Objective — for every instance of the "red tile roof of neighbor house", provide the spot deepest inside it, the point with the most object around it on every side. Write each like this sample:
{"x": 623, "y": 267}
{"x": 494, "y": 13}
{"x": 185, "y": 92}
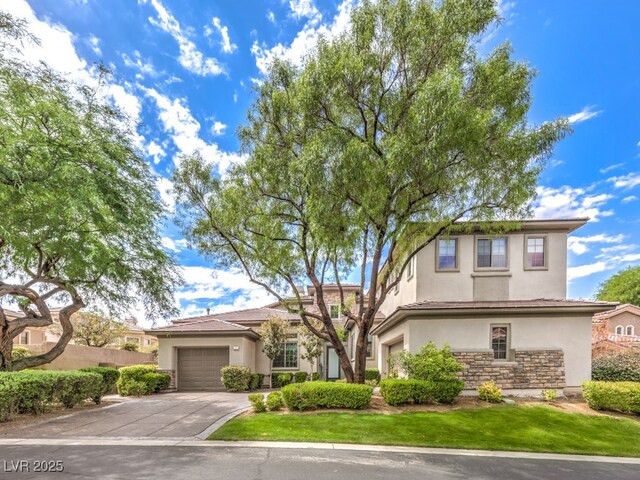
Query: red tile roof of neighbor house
{"x": 625, "y": 307}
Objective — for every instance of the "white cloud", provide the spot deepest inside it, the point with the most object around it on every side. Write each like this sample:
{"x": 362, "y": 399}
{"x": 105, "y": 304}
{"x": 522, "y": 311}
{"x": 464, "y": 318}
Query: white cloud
{"x": 190, "y": 57}
{"x": 155, "y": 151}
{"x": 169, "y": 244}
{"x": 630, "y": 198}
{"x": 165, "y": 187}
{"x": 272, "y": 18}
{"x": 586, "y": 270}
{"x": 615, "y": 249}
{"x": 304, "y": 8}
{"x": 585, "y": 114}
{"x": 578, "y": 245}
{"x": 568, "y": 202}
{"x": 225, "y": 42}
{"x": 143, "y": 68}
{"x": 611, "y": 167}
{"x": 94, "y": 43}
{"x": 218, "y": 128}
{"x": 305, "y": 39}
{"x": 626, "y": 181}
{"x": 184, "y": 131}
{"x": 57, "y": 49}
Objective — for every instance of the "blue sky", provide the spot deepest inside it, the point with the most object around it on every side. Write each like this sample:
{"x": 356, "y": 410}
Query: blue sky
{"x": 185, "y": 71}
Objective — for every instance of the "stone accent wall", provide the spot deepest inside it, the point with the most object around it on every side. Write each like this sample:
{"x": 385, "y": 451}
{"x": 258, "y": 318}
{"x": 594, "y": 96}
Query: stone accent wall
{"x": 172, "y": 374}
{"x": 530, "y": 369}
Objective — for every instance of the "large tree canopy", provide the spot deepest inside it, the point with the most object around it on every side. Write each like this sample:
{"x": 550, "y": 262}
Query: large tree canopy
{"x": 623, "y": 287}
{"x": 384, "y": 138}
{"x": 79, "y": 209}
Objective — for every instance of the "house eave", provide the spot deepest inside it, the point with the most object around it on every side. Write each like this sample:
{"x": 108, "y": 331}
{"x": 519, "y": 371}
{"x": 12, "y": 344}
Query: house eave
{"x": 205, "y": 333}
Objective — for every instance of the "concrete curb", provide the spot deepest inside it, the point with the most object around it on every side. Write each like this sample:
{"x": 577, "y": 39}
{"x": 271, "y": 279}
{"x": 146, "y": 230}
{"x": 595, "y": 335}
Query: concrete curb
{"x": 220, "y": 422}
{"x": 190, "y": 442}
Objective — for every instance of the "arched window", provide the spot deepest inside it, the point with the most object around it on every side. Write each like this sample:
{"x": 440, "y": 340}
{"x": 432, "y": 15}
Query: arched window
{"x": 630, "y": 330}
{"x": 619, "y": 330}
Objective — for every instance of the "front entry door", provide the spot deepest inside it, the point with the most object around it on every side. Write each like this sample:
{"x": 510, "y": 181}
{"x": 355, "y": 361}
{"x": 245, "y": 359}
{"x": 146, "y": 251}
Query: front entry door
{"x": 333, "y": 365}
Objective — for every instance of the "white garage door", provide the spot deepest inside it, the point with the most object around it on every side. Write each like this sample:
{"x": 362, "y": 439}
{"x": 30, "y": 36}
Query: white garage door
{"x": 199, "y": 368}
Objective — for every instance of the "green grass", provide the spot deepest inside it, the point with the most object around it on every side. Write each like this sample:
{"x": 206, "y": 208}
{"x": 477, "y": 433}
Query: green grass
{"x": 532, "y": 429}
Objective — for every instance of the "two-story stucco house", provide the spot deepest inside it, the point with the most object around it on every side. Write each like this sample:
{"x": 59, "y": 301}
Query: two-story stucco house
{"x": 498, "y": 301}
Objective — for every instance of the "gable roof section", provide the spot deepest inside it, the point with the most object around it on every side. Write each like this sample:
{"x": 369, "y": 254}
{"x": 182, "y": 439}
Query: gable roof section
{"x": 624, "y": 308}
{"x": 212, "y": 325}
{"x": 541, "y": 305}
{"x": 249, "y": 315}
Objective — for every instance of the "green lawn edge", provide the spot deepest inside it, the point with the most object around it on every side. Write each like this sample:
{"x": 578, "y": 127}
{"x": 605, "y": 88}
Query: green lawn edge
{"x": 508, "y": 428}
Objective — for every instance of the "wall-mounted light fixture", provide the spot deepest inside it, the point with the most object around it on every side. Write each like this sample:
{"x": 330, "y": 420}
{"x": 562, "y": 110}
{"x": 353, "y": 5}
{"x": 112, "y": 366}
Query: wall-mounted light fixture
{"x": 236, "y": 348}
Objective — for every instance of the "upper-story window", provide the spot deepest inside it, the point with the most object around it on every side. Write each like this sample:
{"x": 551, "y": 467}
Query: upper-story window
{"x": 410, "y": 268}
{"x": 447, "y": 254}
{"x": 629, "y": 330}
{"x": 334, "y": 310}
{"x": 535, "y": 255}
{"x": 491, "y": 252}
{"x": 619, "y": 330}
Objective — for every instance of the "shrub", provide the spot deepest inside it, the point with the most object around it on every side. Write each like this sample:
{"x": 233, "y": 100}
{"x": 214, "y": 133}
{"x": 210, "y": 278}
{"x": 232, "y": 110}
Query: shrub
{"x": 257, "y": 402}
{"x": 130, "y": 346}
{"x": 73, "y": 388}
{"x": 274, "y": 401}
{"x": 282, "y": 379}
{"x": 156, "y": 382}
{"x": 621, "y": 367}
{"x": 109, "y": 378}
{"x": 301, "y": 377}
{"x": 618, "y": 396}
{"x": 256, "y": 381}
{"x": 431, "y": 363}
{"x": 302, "y": 396}
{"x": 399, "y": 391}
{"x": 19, "y": 352}
{"x": 134, "y": 373}
{"x": 236, "y": 378}
{"x": 549, "y": 395}
{"x": 340, "y": 380}
{"x": 134, "y": 388}
{"x": 490, "y": 392}
{"x": 372, "y": 375}
{"x": 315, "y": 376}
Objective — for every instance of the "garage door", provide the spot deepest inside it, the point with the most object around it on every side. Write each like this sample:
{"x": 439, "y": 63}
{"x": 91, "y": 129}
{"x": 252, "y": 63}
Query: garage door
{"x": 199, "y": 368}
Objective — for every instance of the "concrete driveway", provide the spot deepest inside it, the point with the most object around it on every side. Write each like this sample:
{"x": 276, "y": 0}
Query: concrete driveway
{"x": 167, "y": 415}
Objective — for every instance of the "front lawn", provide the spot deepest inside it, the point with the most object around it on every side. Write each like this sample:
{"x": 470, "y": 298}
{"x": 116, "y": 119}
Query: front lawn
{"x": 516, "y": 428}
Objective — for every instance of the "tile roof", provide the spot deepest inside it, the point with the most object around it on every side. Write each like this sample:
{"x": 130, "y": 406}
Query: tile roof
{"x": 203, "y": 325}
{"x": 248, "y": 315}
{"x": 625, "y": 307}
{"x": 536, "y": 303}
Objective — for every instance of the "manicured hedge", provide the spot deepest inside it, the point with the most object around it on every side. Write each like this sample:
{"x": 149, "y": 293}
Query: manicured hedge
{"x": 109, "y": 378}
{"x": 236, "y": 378}
{"x": 36, "y": 391}
{"x": 399, "y": 391}
{"x": 301, "y": 377}
{"x": 618, "y": 396}
{"x": 302, "y": 396}
{"x": 141, "y": 380}
{"x": 256, "y": 381}
{"x": 372, "y": 375}
{"x": 622, "y": 367}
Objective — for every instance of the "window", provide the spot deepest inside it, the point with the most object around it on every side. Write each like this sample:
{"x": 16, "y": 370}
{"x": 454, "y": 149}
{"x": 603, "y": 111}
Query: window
{"x": 23, "y": 339}
{"x": 447, "y": 254}
{"x": 535, "y": 255}
{"x": 630, "y": 330}
{"x": 147, "y": 342}
{"x": 132, "y": 339}
{"x": 491, "y": 253}
{"x": 288, "y": 357}
{"x": 410, "y": 268}
{"x": 369, "y": 346}
{"x": 334, "y": 310}
{"x": 500, "y": 341}
{"x": 619, "y": 330}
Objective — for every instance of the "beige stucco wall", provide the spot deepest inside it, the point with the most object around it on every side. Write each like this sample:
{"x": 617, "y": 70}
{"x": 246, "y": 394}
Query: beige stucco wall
{"x": 80, "y": 356}
{"x": 459, "y": 285}
{"x": 406, "y": 292}
{"x": 572, "y": 334}
{"x": 624, "y": 319}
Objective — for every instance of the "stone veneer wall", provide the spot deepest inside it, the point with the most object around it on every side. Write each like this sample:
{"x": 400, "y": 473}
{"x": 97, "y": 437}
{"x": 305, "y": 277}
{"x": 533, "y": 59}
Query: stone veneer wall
{"x": 530, "y": 369}
{"x": 172, "y": 374}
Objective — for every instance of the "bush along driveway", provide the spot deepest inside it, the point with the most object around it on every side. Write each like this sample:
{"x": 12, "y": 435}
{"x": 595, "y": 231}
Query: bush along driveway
{"x": 505, "y": 427}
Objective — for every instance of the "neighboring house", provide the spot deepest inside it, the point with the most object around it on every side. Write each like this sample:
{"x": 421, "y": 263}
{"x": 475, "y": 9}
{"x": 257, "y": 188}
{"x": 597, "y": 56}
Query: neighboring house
{"x": 616, "y": 330}
{"x": 136, "y": 334}
{"x": 498, "y": 301}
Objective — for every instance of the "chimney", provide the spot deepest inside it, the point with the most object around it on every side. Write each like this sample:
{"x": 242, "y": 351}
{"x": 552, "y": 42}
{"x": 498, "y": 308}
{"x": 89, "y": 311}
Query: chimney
{"x": 208, "y": 310}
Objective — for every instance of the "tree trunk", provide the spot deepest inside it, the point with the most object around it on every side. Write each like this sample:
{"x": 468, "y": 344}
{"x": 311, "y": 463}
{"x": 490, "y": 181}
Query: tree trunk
{"x": 360, "y": 357}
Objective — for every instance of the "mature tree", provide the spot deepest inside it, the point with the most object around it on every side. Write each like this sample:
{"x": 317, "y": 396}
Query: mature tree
{"x": 80, "y": 212}
{"x": 385, "y": 137}
{"x": 623, "y": 287}
{"x": 312, "y": 345}
{"x": 96, "y": 330}
{"x": 273, "y": 333}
